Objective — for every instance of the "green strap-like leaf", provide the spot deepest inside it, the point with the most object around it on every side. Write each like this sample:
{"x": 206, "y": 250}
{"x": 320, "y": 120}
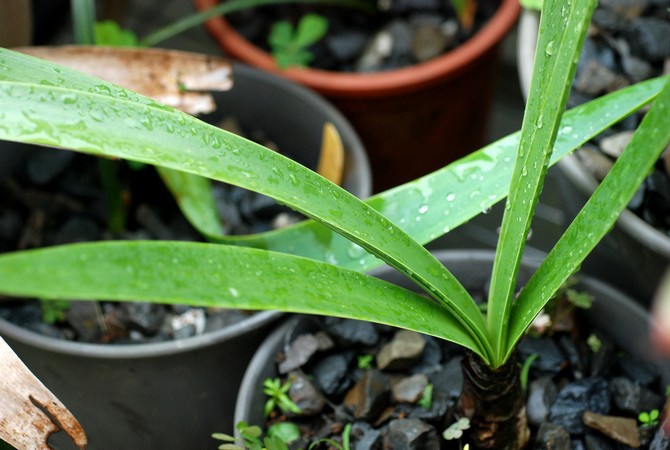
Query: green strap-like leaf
{"x": 491, "y": 167}
{"x": 220, "y": 276}
{"x": 441, "y": 209}
{"x": 562, "y": 31}
{"x": 598, "y": 215}
{"x": 101, "y": 125}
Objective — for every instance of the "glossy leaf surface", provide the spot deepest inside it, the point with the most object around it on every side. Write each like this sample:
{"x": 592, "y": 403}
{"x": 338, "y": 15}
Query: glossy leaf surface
{"x": 559, "y": 45}
{"x": 598, "y": 215}
{"x": 104, "y": 125}
{"x": 220, "y": 276}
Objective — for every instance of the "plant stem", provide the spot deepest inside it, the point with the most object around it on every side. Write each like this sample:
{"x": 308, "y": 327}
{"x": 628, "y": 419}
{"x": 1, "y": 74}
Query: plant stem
{"x": 492, "y": 400}
{"x": 83, "y": 18}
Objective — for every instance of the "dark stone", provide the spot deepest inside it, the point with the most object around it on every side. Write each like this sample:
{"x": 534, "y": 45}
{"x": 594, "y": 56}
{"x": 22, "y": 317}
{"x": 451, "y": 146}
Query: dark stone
{"x": 552, "y": 437}
{"x": 85, "y": 318}
{"x": 594, "y": 442}
{"x": 44, "y": 166}
{"x": 402, "y": 352}
{"x": 305, "y": 394}
{"x": 146, "y": 318}
{"x": 430, "y": 357}
{"x": 626, "y": 8}
{"x": 550, "y": 360}
{"x": 450, "y": 379}
{"x": 609, "y": 20}
{"x": 364, "y": 437}
{"x": 604, "y": 358}
{"x": 411, "y": 434}
{"x": 406, "y": 6}
{"x": 638, "y": 371}
{"x": 574, "y": 355}
{"x": 331, "y": 373}
{"x": 10, "y": 226}
{"x": 346, "y": 46}
{"x": 77, "y": 228}
{"x": 409, "y": 389}
{"x": 576, "y": 398}
{"x": 301, "y": 350}
{"x": 542, "y": 392}
{"x": 440, "y": 404}
{"x": 369, "y": 396}
{"x": 352, "y": 332}
{"x": 428, "y": 42}
{"x": 631, "y": 398}
{"x": 650, "y": 37}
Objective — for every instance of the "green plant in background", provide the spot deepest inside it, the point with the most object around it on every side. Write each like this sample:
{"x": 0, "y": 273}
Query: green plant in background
{"x": 279, "y": 398}
{"x": 365, "y": 361}
{"x": 53, "y": 311}
{"x": 650, "y": 418}
{"x": 308, "y": 268}
{"x": 426, "y": 400}
{"x": 525, "y": 371}
{"x": 594, "y": 343}
{"x": 532, "y": 4}
{"x": 345, "y": 445}
{"x": 251, "y": 439}
{"x": 290, "y": 45}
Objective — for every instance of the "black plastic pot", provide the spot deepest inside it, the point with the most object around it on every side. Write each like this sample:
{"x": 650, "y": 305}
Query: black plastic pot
{"x": 613, "y": 313}
{"x": 634, "y": 255}
{"x": 173, "y": 395}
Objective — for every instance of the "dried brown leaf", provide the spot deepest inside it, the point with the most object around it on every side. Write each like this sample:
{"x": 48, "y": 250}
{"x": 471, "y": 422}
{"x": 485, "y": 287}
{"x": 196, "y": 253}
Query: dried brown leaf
{"x": 29, "y": 412}
{"x": 168, "y": 76}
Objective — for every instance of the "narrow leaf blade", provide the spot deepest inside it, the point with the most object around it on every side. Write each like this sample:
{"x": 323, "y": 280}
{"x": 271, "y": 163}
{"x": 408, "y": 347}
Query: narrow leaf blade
{"x": 598, "y": 215}
{"x": 101, "y": 125}
{"x": 556, "y": 59}
{"x": 214, "y": 275}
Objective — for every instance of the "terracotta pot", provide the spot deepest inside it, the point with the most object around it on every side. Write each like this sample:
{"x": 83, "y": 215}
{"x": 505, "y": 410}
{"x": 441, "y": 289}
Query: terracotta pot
{"x": 173, "y": 395}
{"x": 634, "y": 255}
{"x": 614, "y": 314}
{"x": 412, "y": 120}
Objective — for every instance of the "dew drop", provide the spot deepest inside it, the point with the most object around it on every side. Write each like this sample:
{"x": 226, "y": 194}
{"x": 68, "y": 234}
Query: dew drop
{"x": 423, "y": 209}
{"x": 549, "y": 49}
{"x": 539, "y": 122}
{"x": 451, "y": 197}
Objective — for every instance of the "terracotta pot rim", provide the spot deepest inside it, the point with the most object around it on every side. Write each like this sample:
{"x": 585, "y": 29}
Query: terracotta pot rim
{"x": 376, "y": 84}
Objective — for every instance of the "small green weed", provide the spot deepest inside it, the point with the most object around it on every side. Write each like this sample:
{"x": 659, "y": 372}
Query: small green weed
{"x": 290, "y": 45}
{"x": 365, "y": 361}
{"x": 53, "y": 311}
{"x": 649, "y": 419}
{"x": 279, "y": 398}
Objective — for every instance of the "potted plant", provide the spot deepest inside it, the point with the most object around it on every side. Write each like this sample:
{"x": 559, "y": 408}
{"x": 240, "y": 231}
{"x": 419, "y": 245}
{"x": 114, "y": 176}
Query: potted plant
{"x": 311, "y": 270}
{"x": 446, "y": 99}
{"x": 634, "y": 255}
{"x": 151, "y": 385}
{"x": 610, "y": 320}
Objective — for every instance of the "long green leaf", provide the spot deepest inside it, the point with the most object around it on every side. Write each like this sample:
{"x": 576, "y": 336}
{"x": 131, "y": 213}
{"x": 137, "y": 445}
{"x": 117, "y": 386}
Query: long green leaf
{"x": 220, "y": 276}
{"x": 99, "y": 124}
{"x": 441, "y": 209}
{"x": 598, "y": 215}
{"x": 562, "y": 32}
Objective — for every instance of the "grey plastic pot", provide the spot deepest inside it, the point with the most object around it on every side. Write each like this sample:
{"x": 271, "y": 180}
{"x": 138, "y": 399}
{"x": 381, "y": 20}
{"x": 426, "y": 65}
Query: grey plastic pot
{"x": 173, "y": 395}
{"x": 612, "y": 313}
{"x": 634, "y": 255}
